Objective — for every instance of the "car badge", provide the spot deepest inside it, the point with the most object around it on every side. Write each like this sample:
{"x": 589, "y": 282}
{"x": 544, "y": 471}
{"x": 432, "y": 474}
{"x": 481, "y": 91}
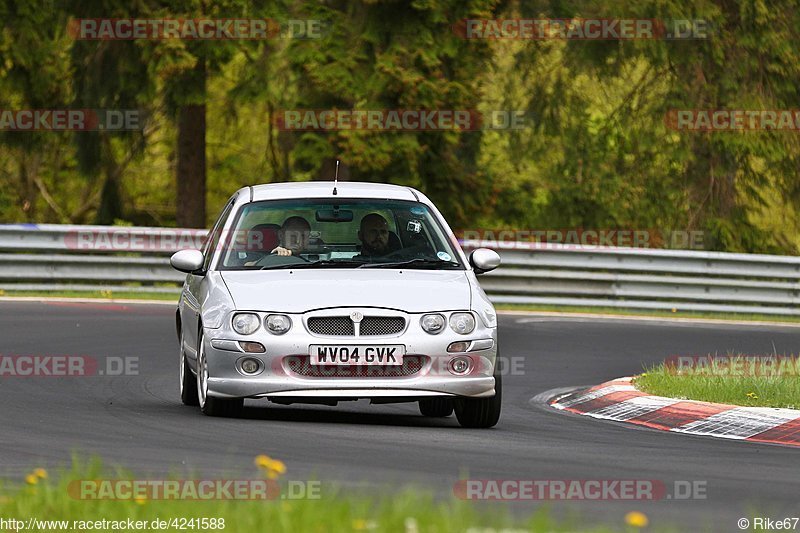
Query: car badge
{"x": 356, "y": 317}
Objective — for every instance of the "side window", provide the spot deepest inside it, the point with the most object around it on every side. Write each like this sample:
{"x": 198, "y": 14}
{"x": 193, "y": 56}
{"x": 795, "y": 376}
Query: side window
{"x": 214, "y": 236}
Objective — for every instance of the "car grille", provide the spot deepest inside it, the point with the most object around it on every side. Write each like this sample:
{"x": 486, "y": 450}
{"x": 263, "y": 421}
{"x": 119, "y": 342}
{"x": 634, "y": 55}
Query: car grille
{"x": 381, "y": 325}
{"x": 342, "y": 326}
{"x": 300, "y": 365}
{"x": 334, "y": 326}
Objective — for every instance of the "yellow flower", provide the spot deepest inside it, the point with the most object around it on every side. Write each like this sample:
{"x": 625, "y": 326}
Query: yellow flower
{"x": 140, "y": 500}
{"x": 31, "y": 479}
{"x": 41, "y": 473}
{"x": 636, "y": 519}
{"x": 752, "y": 395}
{"x": 273, "y": 467}
{"x": 278, "y": 467}
{"x": 363, "y": 525}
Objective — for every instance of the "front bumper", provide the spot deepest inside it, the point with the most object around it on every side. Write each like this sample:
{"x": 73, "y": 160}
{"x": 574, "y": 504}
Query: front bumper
{"x": 277, "y": 378}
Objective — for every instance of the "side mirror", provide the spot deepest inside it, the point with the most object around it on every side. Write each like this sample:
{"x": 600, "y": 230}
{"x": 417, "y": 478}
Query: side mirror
{"x": 484, "y": 260}
{"x": 189, "y": 261}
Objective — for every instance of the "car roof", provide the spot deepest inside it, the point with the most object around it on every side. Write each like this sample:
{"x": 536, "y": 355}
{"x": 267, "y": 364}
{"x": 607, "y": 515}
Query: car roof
{"x": 324, "y": 189}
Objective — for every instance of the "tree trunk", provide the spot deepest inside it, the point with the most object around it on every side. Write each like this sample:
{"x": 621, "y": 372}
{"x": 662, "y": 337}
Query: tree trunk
{"x": 191, "y": 200}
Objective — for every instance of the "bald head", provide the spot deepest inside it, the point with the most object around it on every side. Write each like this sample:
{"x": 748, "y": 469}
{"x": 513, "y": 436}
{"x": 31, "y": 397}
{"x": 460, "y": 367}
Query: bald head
{"x": 374, "y": 234}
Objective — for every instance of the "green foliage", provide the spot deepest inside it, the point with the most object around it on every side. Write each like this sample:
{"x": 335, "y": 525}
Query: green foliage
{"x": 595, "y": 153}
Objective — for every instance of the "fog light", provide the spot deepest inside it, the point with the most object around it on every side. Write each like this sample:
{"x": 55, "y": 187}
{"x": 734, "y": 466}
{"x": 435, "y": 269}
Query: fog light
{"x": 457, "y": 347}
{"x": 250, "y": 366}
{"x": 252, "y": 347}
{"x": 460, "y": 365}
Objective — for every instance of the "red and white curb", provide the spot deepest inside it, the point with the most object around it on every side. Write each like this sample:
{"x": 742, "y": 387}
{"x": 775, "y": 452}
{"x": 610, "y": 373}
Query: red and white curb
{"x": 619, "y": 400}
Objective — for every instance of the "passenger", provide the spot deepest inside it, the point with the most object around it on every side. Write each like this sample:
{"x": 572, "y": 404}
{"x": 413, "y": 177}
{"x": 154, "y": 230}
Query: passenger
{"x": 376, "y": 239}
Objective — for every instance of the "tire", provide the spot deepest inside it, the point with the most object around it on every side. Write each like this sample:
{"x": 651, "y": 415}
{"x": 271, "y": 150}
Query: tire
{"x": 210, "y": 405}
{"x": 480, "y": 412}
{"x": 188, "y": 382}
{"x": 436, "y": 407}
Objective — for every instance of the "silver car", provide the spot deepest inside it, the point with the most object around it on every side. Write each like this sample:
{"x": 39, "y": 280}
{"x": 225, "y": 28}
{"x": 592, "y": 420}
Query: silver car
{"x": 322, "y": 292}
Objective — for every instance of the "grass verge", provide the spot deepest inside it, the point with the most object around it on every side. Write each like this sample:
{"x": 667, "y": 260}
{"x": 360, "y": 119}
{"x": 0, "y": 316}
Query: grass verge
{"x": 133, "y": 295}
{"x": 649, "y": 313}
{"x": 738, "y": 380}
{"x": 51, "y": 498}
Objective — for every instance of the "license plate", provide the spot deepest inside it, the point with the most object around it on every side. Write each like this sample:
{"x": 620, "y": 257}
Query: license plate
{"x": 356, "y": 354}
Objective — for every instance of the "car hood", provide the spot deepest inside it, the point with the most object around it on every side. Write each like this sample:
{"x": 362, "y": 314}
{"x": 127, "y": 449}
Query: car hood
{"x": 299, "y": 291}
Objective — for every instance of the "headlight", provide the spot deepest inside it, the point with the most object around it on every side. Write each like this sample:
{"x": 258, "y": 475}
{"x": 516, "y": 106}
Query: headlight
{"x": 432, "y": 324}
{"x": 278, "y": 324}
{"x": 462, "y": 323}
{"x": 246, "y": 323}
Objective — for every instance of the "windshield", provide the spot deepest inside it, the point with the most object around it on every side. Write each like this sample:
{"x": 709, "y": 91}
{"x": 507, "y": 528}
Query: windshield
{"x": 337, "y": 233}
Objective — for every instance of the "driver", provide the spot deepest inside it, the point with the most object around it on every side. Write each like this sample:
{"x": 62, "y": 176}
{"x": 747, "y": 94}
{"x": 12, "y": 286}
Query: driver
{"x": 374, "y": 236}
{"x": 294, "y": 236}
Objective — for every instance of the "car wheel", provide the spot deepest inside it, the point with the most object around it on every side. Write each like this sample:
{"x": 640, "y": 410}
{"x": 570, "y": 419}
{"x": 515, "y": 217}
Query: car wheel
{"x": 480, "y": 412}
{"x": 187, "y": 380}
{"x": 208, "y": 404}
{"x": 436, "y": 407}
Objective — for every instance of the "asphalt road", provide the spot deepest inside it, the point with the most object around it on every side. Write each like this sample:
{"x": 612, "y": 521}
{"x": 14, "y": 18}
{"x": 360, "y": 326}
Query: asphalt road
{"x": 137, "y": 421}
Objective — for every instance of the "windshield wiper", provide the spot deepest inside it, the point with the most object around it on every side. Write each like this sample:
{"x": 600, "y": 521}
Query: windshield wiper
{"x": 343, "y": 263}
{"x": 423, "y": 263}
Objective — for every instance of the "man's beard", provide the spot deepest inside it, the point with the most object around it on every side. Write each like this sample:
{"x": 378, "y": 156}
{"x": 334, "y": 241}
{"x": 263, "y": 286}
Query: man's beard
{"x": 369, "y": 250}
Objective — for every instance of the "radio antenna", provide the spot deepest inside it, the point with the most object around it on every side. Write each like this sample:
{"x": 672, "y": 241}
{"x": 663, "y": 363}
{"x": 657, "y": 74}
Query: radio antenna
{"x": 336, "y": 178}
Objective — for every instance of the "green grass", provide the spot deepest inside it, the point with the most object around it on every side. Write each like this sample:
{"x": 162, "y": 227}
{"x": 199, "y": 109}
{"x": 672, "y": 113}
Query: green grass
{"x": 649, "y": 313}
{"x": 407, "y": 510}
{"x": 736, "y": 384}
{"x": 132, "y": 295}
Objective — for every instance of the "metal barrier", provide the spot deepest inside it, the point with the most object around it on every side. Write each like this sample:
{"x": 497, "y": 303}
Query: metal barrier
{"x": 122, "y": 259}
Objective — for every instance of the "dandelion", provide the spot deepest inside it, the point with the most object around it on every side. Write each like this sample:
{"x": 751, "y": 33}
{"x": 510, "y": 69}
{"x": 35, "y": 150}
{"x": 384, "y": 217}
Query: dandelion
{"x": 752, "y": 395}
{"x": 140, "y": 500}
{"x": 41, "y": 473}
{"x": 273, "y": 467}
{"x": 31, "y": 479}
{"x": 636, "y": 519}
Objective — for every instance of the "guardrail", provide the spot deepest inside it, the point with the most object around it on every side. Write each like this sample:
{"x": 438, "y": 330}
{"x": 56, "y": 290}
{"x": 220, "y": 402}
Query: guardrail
{"x": 79, "y": 258}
